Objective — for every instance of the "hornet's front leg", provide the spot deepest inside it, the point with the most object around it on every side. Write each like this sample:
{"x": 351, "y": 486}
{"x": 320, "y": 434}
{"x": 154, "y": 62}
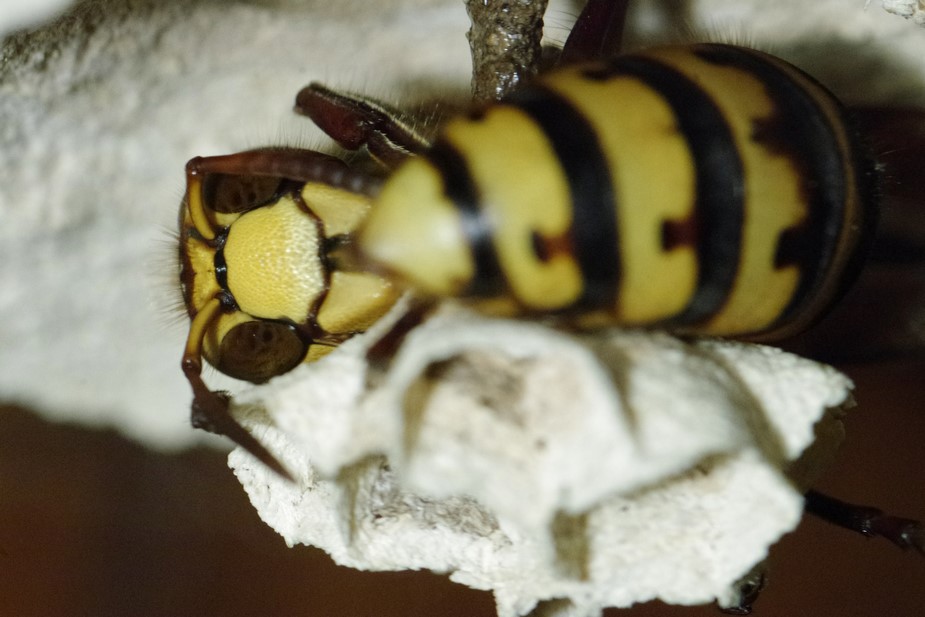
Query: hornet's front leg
{"x": 227, "y": 184}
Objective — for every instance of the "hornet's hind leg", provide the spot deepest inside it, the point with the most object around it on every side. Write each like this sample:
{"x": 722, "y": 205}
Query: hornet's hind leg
{"x": 871, "y": 522}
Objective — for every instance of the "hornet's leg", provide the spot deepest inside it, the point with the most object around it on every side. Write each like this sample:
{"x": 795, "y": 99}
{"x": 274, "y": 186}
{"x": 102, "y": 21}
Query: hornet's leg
{"x": 748, "y": 588}
{"x": 209, "y": 410}
{"x": 598, "y": 32}
{"x": 871, "y": 522}
{"x": 354, "y": 121}
{"x": 253, "y": 169}
{"x": 380, "y": 355}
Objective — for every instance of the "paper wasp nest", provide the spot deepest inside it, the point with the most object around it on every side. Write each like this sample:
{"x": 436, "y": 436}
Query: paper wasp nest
{"x": 914, "y": 9}
{"x": 592, "y": 472}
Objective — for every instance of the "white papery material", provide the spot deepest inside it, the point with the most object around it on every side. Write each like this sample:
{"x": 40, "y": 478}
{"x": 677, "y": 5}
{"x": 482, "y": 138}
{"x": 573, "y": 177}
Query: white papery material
{"x": 910, "y": 9}
{"x": 598, "y": 472}
{"x": 16, "y": 14}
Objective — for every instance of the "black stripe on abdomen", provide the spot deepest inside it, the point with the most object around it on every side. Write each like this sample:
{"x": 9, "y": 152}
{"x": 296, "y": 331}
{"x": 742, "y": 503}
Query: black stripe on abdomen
{"x": 461, "y": 190}
{"x": 715, "y": 228}
{"x": 799, "y": 130}
{"x": 593, "y": 232}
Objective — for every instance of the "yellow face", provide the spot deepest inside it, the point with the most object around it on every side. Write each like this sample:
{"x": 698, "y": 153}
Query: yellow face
{"x": 263, "y": 292}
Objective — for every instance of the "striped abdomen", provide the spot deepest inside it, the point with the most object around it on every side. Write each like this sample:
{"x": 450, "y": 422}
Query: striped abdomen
{"x": 707, "y": 188}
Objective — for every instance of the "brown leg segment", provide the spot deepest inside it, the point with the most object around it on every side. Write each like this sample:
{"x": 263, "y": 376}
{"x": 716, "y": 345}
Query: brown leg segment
{"x": 748, "y": 588}
{"x": 210, "y": 409}
{"x": 354, "y": 121}
{"x": 598, "y": 32}
{"x": 288, "y": 163}
{"x": 210, "y": 413}
{"x": 871, "y": 522}
{"x": 380, "y": 355}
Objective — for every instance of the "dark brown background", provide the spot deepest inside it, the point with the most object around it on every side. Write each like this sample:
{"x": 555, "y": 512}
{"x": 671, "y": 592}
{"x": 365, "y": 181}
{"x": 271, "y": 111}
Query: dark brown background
{"x": 91, "y": 524}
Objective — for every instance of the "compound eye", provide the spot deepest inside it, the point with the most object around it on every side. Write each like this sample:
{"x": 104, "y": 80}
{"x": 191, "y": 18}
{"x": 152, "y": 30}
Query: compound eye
{"x": 258, "y": 350}
{"x": 232, "y": 193}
